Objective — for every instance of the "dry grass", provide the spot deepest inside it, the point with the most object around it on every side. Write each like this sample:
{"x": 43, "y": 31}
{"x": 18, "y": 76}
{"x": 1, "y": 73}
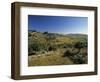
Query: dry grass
{"x": 51, "y": 58}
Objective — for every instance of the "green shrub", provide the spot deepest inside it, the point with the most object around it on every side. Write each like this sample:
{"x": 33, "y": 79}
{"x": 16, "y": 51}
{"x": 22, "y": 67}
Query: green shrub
{"x": 78, "y": 59}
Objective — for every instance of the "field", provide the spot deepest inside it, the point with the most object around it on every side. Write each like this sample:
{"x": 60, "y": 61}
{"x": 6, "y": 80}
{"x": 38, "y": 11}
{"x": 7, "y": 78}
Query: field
{"x": 46, "y": 48}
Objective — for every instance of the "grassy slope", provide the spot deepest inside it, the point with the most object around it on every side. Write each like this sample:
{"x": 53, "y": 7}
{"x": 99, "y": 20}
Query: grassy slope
{"x": 53, "y": 57}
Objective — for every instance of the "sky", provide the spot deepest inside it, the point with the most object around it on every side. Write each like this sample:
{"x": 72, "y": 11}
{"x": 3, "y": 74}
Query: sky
{"x": 58, "y": 24}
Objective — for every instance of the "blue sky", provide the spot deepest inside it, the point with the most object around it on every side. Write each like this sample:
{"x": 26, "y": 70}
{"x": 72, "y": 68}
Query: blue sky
{"x": 58, "y": 24}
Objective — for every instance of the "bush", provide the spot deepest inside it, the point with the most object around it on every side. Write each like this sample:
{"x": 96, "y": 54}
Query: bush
{"x": 45, "y": 33}
{"x": 79, "y": 45}
{"x": 52, "y": 48}
{"x": 29, "y": 34}
{"x": 31, "y": 52}
{"x": 36, "y": 45}
{"x": 67, "y": 53}
{"x": 34, "y": 31}
{"x": 75, "y": 56}
{"x": 78, "y": 59}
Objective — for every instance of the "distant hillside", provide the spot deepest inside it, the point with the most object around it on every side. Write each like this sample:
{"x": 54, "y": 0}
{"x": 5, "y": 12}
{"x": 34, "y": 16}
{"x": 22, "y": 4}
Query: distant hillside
{"x": 80, "y": 37}
{"x": 58, "y": 37}
{"x": 77, "y": 35}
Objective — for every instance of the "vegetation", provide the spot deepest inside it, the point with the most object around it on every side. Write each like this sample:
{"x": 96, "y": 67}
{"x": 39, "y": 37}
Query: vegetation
{"x": 56, "y": 49}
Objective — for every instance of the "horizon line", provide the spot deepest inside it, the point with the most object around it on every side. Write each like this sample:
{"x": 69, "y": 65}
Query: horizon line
{"x": 60, "y": 33}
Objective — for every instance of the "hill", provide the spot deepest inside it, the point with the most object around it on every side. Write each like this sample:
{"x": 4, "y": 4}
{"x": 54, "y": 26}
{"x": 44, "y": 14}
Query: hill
{"x": 56, "y": 49}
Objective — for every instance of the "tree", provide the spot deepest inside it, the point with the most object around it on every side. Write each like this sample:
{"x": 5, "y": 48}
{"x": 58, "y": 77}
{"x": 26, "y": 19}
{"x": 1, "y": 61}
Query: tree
{"x": 29, "y": 34}
{"x": 45, "y": 32}
{"x": 33, "y": 30}
{"x": 79, "y": 45}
